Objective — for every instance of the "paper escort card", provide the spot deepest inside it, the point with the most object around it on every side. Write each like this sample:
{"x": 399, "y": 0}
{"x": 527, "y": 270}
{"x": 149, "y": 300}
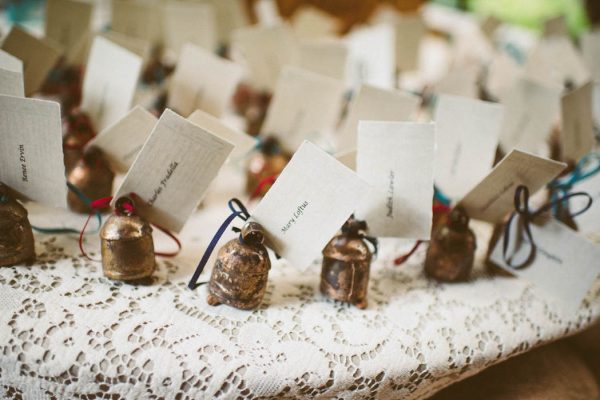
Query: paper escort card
{"x": 409, "y": 29}
{"x": 38, "y": 56}
{"x": 189, "y": 22}
{"x": 308, "y": 204}
{"x": 31, "y": 154}
{"x": 140, "y": 47}
{"x": 590, "y": 47}
{"x": 577, "y": 133}
{"x": 493, "y": 198}
{"x": 11, "y": 75}
{"x": 396, "y": 159}
{"x": 376, "y": 105}
{"x": 68, "y": 22}
{"x": 459, "y": 82}
{"x": 202, "y": 81}
{"x": 293, "y": 121}
{"x": 122, "y": 141}
{"x": 264, "y": 50}
{"x": 328, "y": 57}
{"x": 503, "y": 72}
{"x": 312, "y": 23}
{"x": 467, "y": 133}
{"x": 589, "y": 222}
{"x": 140, "y": 19}
{"x": 243, "y": 143}
{"x": 531, "y": 111}
{"x": 372, "y": 55}
{"x": 109, "y": 84}
{"x": 173, "y": 170}
{"x": 231, "y": 15}
{"x": 565, "y": 265}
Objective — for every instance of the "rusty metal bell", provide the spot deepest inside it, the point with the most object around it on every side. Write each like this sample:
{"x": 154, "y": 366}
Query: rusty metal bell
{"x": 127, "y": 246}
{"x": 16, "y": 237}
{"x": 93, "y": 177}
{"x": 239, "y": 277}
{"x": 79, "y": 130}
{"x": 346, "y": 265}
{"x": 268, "y": 162}
{"x": 451, "y": 251}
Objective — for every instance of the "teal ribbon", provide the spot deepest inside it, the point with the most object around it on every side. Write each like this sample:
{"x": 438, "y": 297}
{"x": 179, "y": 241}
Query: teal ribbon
{"x": 588, "y": 166}
{"x": 81, "y": 197}
{"x": 441, "y": 197}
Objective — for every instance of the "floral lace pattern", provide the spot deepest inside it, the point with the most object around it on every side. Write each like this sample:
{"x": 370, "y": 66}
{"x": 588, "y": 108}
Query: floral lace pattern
{"x": 69, "y": 332}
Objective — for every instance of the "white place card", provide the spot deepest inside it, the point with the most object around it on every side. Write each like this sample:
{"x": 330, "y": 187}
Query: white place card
{"x": 503, "y": 71}
{"x": 493, "y": 198}
{"x": 11, "y": 75}
{"x": 311, "y": 23}
{"x": 31, "y": 153}
{"x": 264, "y": 50}
{"x": 376, "y": 104}
{"x": 328, "y": 57}
{"x": 459, "y": 82}
{"x": 396, "y": 159}
{"x": 531, "y": 111}
{"x": 409, "y": 29}
{"x": 316, "y": 114}
{"x": 173, "y": 170}
{"x": 372, "y": 54}
{"x": 187, "y": 22}
{"x": 467, "y": 133}
{"x": 122, "y": 141}
{"x": 243, "y": 142}
{"x": 565, "y": 264}
{"x": 231, "y": 15}
{"x": 577, "y": 133}
{"x": 109, "y": 84}
{"x": 590, "y": 47}
{"x": 140, "y": 47}
{"x": 140, "y": 19}
{"x": 68, "y": 22}
{"x": 38, "y": 56}
{"x": 202, "y": 81}
{"x": 308, "y": 204}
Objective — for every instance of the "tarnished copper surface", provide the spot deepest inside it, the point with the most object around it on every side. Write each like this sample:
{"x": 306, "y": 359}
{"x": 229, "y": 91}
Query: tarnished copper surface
{"x": 239, "y": 277}
{"x": 346, "y": 265}
{"x": 16, "y": 237}
{"x": 267, "y": 162}
{"x": 451, "y": 251}
{"x": 127, "y": 247}
{"x": 93, "y": 177}
{"x": 78, "y": 131}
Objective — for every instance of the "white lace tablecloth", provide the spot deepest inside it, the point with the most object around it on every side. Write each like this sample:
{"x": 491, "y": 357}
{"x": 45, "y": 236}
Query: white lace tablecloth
{"x": 68, "y": 332}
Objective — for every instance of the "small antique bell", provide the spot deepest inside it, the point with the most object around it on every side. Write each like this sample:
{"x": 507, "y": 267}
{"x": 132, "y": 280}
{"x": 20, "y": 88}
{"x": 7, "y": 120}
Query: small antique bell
{"x": 93, "y": 177}
{"x": 268, "y": 162}
{"x": 239, "y": 277}
{"x": 79, "y": 131}
{"x": 451, "y": 252}
{"x": 346, "y": 264}
{"x": 16, "y": 237}
{"x": 127, "y": 246}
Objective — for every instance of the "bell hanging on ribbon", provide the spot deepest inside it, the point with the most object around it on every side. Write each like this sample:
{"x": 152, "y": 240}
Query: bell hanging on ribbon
{"x": 239, "y": 277}
{"x": 346, "y": 265}
{"x": 127, "y": 246}
{"x": 79, "y": 131}
{"x": 16, "y": 237}
{"x": 451, "y": 251}
{"x": 268, "y": 162}
{"x": 93, "y": 177}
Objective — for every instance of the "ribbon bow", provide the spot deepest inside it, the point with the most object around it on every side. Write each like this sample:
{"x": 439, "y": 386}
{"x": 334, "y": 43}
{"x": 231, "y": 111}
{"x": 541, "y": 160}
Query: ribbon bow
{"x": 237, "y": 210}
{"x": 588, "y": 166}
{"x": 527, "y": 216}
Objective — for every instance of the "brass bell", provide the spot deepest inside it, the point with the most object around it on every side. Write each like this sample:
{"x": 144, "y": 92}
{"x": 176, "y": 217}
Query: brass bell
{"x": 451, "y": 251}
{"x": 268, "y": 162}
{"x": 127, "y": 246}
{"x": 79, "y": 130}
{"x": 239, "y": 277}
{"x": 16, "y": 237}
{"x": 93, "y": 177}
{"x": 346, "y": 265}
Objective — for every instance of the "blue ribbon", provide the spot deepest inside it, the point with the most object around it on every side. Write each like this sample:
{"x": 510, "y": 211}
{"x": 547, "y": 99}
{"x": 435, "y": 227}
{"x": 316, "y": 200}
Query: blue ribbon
{"x": 588, "y": 166}
{"x": 237, "y": 210}
{"x": 81, "y": 197}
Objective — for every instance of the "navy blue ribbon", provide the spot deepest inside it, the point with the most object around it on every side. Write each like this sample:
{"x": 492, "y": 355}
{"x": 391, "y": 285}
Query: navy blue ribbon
{"x": 237, "y": 210}
{"x": 527, "y": 216}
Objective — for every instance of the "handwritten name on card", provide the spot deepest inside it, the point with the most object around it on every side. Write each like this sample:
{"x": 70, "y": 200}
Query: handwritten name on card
{"x": 31, "y": 154}
{"x": 174, "y": 169}
{"x": 493, "y": 198}
{"x": 202, "y": 81}
{"x": 396, "y": 159}
{"x": 122, "y": 141}
{"x": 467, "y": 134}
{"x": 293, "y": 121}
{"x": 308, "y": 204}
{"x": 376, "y": 105}
{"x": 565, "y": 265}
{"x": 109, "y": 84}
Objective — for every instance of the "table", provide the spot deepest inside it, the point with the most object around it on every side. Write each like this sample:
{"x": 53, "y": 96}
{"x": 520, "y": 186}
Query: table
{"x": 68, "y": 332}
